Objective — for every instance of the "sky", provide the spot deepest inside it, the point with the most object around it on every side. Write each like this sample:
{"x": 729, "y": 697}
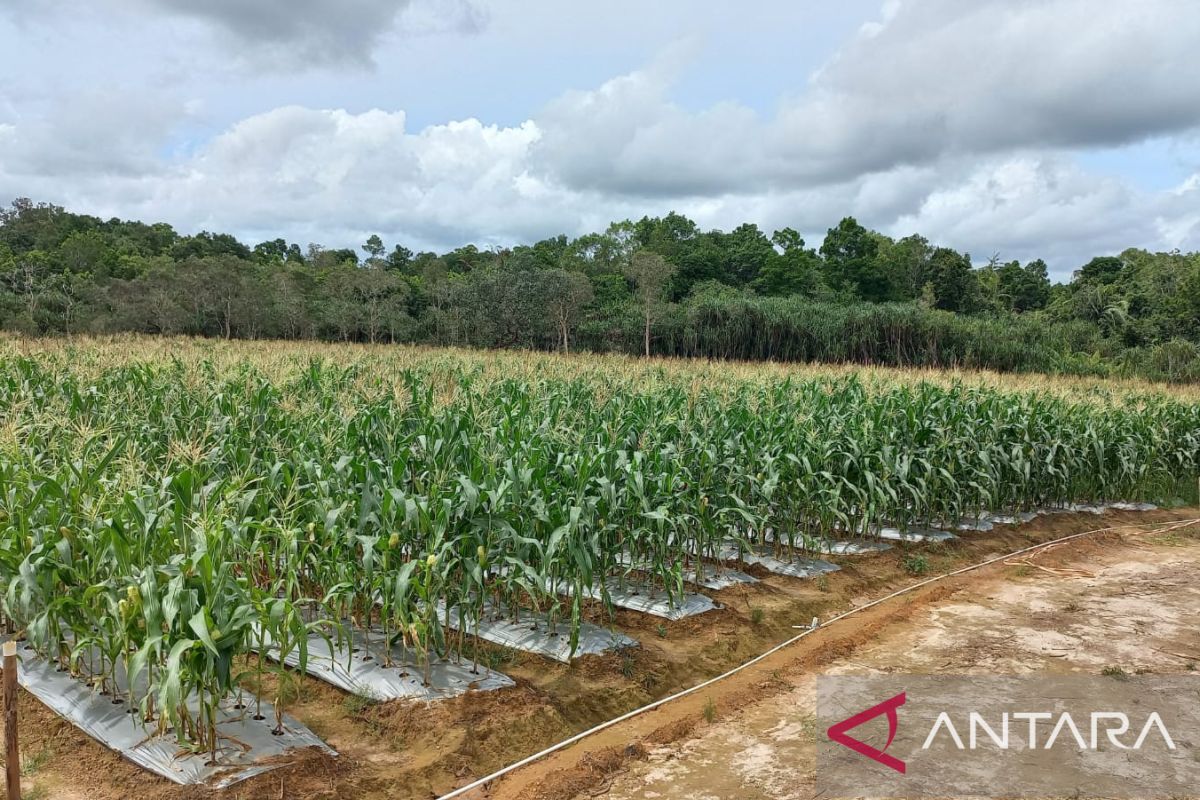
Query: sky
{"x": 1055, "y": 129}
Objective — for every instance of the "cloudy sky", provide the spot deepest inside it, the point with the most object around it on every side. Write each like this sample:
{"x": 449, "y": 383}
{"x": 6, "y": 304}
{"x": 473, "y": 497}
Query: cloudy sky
{"x": 1052, "y": 128}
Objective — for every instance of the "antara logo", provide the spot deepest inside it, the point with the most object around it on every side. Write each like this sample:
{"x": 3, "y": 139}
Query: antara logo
{"x": 1018, "y": 730}
{"x": 837, "y": 732}
{"x": 1113, "y": 724}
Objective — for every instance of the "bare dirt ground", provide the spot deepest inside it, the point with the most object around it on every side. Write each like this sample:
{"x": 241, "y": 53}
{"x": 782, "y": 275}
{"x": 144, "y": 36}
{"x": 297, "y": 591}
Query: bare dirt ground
{"x": 1131, "y": 604}
{"x": 758, "y": 741}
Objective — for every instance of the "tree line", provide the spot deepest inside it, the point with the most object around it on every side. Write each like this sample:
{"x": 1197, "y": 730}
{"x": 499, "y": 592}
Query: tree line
{"x": 655, "y": 286}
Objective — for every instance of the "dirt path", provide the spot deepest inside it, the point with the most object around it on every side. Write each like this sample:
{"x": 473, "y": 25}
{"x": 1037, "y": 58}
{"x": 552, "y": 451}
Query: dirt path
{"x": 1127, "y": 601}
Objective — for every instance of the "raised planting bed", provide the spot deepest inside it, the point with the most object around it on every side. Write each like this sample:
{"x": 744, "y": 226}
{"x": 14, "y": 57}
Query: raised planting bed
{"x": 795, "y": 567}
{"x": 361, "y": 666}
{"x": 531, "y": 632}
{"x": 248, "y": 743}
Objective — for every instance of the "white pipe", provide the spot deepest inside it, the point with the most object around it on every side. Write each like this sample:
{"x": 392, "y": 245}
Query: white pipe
{"x": 684, "y": 693}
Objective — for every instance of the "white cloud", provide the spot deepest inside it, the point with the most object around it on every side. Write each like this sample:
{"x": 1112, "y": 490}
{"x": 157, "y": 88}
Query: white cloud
{"x": 428, "y": 17}
{"x": 1028, "y": 206}
{"x": 310, "y": 173}
{"x": 321, "y": 32}
{"x": 1178, "y": 224}
{"x": 958, "y": 121}
{"x": 932, "y": 80}
{"x": 943, "y": 78}
{"x": 627, "y": 137}
{"x": 100, "y": 132}
{"x": 333, "y": 176}
{"x": 1046, "y": 206}
{"x": 288, "y": 33}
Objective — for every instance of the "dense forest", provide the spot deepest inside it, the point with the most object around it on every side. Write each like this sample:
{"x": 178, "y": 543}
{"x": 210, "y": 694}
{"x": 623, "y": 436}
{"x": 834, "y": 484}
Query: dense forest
{"x": 660, "y": 286}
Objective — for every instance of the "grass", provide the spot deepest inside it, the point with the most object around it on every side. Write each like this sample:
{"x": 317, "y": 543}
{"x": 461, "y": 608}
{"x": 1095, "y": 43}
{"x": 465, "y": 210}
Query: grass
{"x": 710, "y": 711}
{"x": 627, "y": 666}
{"x": 356, "y": 704}
{"x": 916, "y": 564}
{"x": 1116, "y": 673}
{"x": 496, "y": 658}
{"x": 34, "y": 761}
{"x": 36, "y": 792}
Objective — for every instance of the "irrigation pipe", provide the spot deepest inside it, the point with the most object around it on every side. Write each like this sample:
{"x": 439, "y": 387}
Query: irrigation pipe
{"x": 1172, "y": 525}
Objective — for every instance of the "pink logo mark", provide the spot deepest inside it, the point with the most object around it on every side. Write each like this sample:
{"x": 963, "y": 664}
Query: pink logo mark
{"x": 837, "y": 732}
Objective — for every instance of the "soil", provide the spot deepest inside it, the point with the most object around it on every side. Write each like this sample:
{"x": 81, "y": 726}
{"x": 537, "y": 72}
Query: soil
{"x": 415, "y": 750}
{"x": 1124, "y": 603}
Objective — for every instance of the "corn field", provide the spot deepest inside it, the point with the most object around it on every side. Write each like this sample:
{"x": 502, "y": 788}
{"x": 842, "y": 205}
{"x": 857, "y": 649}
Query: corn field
{"x": 167, "y": 510}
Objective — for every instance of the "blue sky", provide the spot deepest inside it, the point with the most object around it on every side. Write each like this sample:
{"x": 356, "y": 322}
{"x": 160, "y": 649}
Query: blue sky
{"x": 1059, "y": 129}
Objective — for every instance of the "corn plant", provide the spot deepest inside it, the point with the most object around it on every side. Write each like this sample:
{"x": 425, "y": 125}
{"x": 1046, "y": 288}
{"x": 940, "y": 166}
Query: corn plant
{"x": 162, "y": 517}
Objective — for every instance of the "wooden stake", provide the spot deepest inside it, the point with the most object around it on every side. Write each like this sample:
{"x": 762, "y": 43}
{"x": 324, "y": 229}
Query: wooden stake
{"x": 12, "y": 752}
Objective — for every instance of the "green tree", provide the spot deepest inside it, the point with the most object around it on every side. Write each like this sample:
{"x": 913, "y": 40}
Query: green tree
{"x": 747, "y": 250}
{"x": 85, "y": 252}
{"x": 205, "y": 244}
{"x": 567, "y": 293}
{"x": 28, "y": 277}
{"x": 850, "y": 252}
{"x": 1102, "y": 270}
{"x": 604, "y": 253}
{"x": 274, "y": 251}
{"x": 791, "y": 269}
{"x": 651, "y": 274}
{"x": 371, "y": 304}
{"x": 955, "y": 287}
{"x": 905, "y": 262}
{"x": 74, "y": 293}
{"x": 1024, "y": 288}
{"x": 400, "y": 258}
{"x": 277, "y": 251}
{"x": 374, "y": 249}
